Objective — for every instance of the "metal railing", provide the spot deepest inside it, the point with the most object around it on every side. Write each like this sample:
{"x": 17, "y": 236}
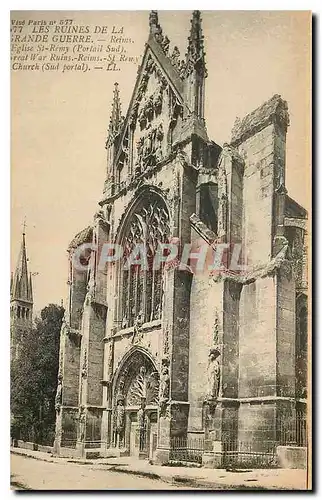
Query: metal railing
{"x": 187, "y": 449}
{"x": 293, "y": 432}
{"x": 252, "y": 452}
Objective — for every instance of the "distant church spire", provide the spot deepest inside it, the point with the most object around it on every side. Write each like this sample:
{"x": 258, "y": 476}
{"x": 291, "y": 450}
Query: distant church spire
{"x": 21, "y": 284}
{"x": 21, "y": 301}
{"x": 195, "y": 56}
{"x": 116, "y": 116}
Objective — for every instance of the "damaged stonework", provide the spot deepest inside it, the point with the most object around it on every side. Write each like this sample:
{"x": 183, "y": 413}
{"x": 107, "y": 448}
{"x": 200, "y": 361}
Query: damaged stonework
{"x": 152, "y": 358}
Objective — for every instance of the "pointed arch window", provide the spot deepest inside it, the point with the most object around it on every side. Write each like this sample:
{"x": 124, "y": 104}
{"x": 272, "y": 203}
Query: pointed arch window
{"x": 141, "y": 286}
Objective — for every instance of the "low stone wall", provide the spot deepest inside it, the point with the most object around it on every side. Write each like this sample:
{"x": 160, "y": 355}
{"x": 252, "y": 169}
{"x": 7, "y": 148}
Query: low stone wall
{"x": 28, "y": 445}
{"x": 45, "y": 449}
{"x": 291, "y": 457}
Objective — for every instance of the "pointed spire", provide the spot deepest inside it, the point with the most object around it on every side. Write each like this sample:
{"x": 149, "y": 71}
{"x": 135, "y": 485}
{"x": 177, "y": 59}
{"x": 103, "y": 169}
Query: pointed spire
{"x": 21, "y": 281}
{"x": 196, "y": 54}
{"x": 116, "y": 116}
{"x": 30, "y": 289}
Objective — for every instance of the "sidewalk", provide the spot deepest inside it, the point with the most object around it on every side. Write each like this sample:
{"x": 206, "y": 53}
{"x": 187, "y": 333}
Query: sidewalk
{"x": 271, "y": 479}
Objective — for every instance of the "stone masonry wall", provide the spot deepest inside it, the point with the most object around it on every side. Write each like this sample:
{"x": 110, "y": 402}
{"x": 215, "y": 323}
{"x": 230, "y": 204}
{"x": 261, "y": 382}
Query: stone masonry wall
{"x": 258, "y": 152}
{"x": 257, "y": 339}
{"x": 71, "y": 370}
{"x": 95, "y": 354}
{"x": 78, "y": 293}
{"x": 230, "y": 340}
{"x": 206, "y": 298}
{"x": 285, "y": 344}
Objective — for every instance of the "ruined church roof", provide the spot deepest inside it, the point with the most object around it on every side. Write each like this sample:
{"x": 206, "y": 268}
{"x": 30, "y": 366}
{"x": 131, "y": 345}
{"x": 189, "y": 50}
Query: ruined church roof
{"x": 260, "y": 118}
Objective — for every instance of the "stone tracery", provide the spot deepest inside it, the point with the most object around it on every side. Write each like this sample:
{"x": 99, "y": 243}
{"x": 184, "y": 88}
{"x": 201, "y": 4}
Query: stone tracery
{"x": 149, "y": 226}
{"x": 139, "y": 380}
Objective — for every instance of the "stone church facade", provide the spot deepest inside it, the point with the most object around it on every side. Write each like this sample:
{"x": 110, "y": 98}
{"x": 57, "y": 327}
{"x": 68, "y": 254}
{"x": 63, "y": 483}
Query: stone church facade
{"x": 148, "y": 357}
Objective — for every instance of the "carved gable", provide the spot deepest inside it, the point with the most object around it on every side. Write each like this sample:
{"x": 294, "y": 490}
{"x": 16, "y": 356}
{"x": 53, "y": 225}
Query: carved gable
{"x": 156, "y": 108}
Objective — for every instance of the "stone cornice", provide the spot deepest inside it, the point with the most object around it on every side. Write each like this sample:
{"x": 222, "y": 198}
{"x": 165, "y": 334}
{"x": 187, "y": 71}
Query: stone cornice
{"x": 135, "y": 181}
{"x": 296, "y": 222}
{"x": 259, "y": 399}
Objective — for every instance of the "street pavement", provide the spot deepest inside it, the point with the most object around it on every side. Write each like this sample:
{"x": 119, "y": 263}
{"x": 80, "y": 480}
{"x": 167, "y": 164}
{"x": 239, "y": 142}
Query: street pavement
{"x": 139, "y": 474}
{"x": 27, "y": 473}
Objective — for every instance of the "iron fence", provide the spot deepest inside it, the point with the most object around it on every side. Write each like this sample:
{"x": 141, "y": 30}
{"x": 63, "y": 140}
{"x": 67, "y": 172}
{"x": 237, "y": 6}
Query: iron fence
{"x": 248, "y": 454}
{"x": 254, "y": 452}
{"x": 293, "y": 432}
{"x": 69, "y": 438}
{"x": 187, "y": 449}
{"x": 93, "y": 432}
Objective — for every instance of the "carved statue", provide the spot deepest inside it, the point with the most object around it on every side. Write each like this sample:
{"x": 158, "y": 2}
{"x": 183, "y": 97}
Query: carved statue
{"x": 157, "y": 100}
{"x": 142, "y": 424}
{"x": 124, "y": 322}
{"x": 149, "y": 111}
{"x": 157, "y": 314}
{"x": 142, "y": 118}
{"x": 165, "y": 44}
{"x": 138, "y": 322}
{"x": 59, "y": 393}
{"x": 82, "y": 423}
{"x": 119, "y": 422}
{"x": 158, "y": 143}
{"x": 175, "y": 57}
{"x": 213, "y": 373}
{"x": 164, "y": 390}
{"x": 148, "y": 144}
{"x": 159, "y": 133}
{"x": 182, "y": 68}
{"x": 139, "y": 146}
{"x": 159, "y": 37}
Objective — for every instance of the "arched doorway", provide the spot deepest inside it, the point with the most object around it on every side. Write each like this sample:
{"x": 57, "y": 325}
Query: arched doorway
{"x": 135, "y": 404}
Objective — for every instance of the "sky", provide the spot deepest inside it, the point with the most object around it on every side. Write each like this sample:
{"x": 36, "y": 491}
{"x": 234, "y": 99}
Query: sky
{"x": 59, "y": 121}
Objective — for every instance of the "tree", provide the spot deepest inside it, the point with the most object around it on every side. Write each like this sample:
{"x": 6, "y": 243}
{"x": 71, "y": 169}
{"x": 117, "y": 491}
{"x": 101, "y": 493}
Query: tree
{"x": 34, "y": 377}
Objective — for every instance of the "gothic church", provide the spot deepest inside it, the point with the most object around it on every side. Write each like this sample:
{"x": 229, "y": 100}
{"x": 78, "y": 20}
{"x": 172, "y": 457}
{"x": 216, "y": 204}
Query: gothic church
{"x": 150, "y": 358}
